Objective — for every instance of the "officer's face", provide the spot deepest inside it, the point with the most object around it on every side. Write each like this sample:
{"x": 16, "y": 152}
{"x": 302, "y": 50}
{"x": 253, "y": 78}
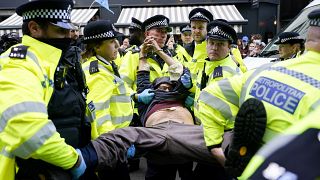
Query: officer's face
{"x": 199, "y": 30}
{"x": 217, "y": 49}
{"x": 108, "y": 49}
{"x": 186, "y": 37}
{"x": 158, "y": 34}
{"x": 286, "y": 51}
{"x": 51, "y": 31}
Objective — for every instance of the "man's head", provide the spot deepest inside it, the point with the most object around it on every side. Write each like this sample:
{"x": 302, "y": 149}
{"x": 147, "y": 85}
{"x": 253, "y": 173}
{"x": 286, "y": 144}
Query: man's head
{"x": 163, "y": 83}
{"x": 186, "y": 35}
{"x": 245, "y": 40}
{"x": 199, "y": 18}
{"x": 290, "y": 43}
{"x": 219, "y": 38}
{"x": 136, "y": 32}
{"x": 158, "y": 27}
{"x": 46, "y": 18}
{"x": 74, "y": 33}
{"x": 313, "y": 35}
{"x": 100, "y": 37}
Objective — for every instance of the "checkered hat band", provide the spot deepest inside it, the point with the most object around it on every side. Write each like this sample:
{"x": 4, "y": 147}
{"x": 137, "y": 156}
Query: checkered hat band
{"x": 59, "y": 14}
{"x": 135, "y": 25}
{"x": 156, "y": 24}
{"x": 315, "y": 22}
{"x": 219, "y": 32}
{"x": 186, "y": 29}
{"x": 290, "y": 38}
{"x": 200, "y": 16}
{"x": 108, "y": 34}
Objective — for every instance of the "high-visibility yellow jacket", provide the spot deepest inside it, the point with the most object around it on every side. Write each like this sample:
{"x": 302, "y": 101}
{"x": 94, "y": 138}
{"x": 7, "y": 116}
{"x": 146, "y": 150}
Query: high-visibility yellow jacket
{"x": 236, "y": 54}
{"x": 215, "y": 71}
{"x": 198, "y": 58}
{"x": 110, "y": 96}
{"x": 26, "y": 86}
{"x": 307, "y": 123}
{"x": 182, "y": 55}
{"x": 129, "y": 68}
{"x": 288, "y": 90}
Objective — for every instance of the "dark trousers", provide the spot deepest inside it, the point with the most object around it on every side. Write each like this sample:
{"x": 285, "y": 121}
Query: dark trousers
{"x": 169, "y": 172}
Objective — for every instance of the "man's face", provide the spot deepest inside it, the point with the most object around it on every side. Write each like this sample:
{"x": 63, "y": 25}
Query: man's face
{"x": 165, "y": 87}
{"x": 159, "y": 34}
{"x": 217, "y": 49}
{"x": 199, "y": 30}
{"x": 136, "y": 35}
{"x": 74, "y": 34}
{"x": 51, "y": 31}
{"x": 186, "y": 37}
{"x": 108, "y": 49}
{"x": 286, "y": 51}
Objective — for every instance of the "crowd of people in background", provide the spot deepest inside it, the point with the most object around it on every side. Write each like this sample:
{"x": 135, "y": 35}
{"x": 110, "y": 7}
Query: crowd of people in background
{"x": 88, "y": 105}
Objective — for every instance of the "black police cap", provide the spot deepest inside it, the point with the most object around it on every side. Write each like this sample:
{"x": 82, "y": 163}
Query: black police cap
{"x": 157, "y": 21}
{"x": 314, "y": 17}
{"x": 200, "y": 14}
{"x": 185, "y": 28}
{"x": 221, "y": 31}
{"x": 57, "y": 12}
{"x": 99, "y": 30}
{"x": 135, "y": 24}
{"x": 289, "y": 38}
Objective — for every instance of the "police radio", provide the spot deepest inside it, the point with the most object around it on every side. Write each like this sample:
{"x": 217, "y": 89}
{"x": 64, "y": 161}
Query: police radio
{"x": 60, "y": 76}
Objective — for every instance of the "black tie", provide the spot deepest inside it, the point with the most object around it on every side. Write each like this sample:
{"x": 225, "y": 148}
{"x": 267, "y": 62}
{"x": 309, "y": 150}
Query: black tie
{"x": 115, "y": 69}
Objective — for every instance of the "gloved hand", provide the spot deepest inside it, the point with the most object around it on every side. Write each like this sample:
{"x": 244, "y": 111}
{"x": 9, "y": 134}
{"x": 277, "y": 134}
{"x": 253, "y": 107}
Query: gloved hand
{"x": 131, "y": 152}
{"x": 189, "y": 101}
{"x": 186, "y": 80}
{"x": 146, "y": 96}
{"x": 79, "y": 168}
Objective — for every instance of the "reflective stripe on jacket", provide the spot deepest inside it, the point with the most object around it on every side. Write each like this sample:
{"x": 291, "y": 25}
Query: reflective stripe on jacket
{"x": 111, "y": 97}
{"x": 26, "y": 87}
{"x": 288, "y": 90}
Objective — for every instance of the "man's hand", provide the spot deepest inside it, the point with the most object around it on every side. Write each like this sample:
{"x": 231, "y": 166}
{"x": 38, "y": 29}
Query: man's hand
{"x": 79, "y": 168}
{"x": 186, "y": 80}
{"x": 146, "y": 96}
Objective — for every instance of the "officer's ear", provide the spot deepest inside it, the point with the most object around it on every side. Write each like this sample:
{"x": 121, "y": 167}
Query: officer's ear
{"x": 35, "y": 29}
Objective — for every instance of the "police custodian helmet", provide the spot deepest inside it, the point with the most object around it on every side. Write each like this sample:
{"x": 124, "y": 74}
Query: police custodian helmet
{"x": 57, "y": 12}
{"x": 99, "y": 30}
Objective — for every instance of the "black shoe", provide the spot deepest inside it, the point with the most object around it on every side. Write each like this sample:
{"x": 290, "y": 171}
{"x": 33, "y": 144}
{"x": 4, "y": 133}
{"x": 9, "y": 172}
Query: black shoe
{"x": 249, "y": 128}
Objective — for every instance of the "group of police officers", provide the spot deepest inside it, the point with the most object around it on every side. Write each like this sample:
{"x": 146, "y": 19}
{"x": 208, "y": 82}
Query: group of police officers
{"x": 55, "y": 99}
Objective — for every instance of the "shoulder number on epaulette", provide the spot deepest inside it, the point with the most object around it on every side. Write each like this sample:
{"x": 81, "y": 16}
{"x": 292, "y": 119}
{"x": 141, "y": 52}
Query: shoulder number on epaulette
{"x": 19, "y": 52}
{"x": 136, "y": 49}
{"x": 93, "y": 68}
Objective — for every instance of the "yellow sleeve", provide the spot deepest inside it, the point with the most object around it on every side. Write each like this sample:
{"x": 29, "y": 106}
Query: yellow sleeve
{"x": 128, "y": 69}
{"x": 27, "y": 132}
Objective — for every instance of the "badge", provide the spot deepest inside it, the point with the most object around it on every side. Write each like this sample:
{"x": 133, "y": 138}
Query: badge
{"x": 217, "y": 72}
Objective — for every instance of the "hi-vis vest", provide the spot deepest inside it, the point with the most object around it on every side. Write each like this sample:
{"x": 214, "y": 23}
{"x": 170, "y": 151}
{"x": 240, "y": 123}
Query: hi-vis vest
{"x": 129, "y": 68}
{"x": 26, "y": 85}
{"x": 214, "y": 71}
{"x": 289, "y": 90}
{"x": 110, "y": 96}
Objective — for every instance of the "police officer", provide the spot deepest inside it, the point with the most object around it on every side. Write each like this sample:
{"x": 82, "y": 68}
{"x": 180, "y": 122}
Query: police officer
{"x": 155, "y": 28}
{"x": 288, "y": 91}
{"x": 219, "y": 64}
{"x": 109, "y": 96}
{"x": 186, "y": 36}
{"x": 290, "y": 45}
{"x": 8, "y": 40}
{"x": 136, "y": 36}
{"x": 42, "y": 109}
{"x": 199, "y": 19}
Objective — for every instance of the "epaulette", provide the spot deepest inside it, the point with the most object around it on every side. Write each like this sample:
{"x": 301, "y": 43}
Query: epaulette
{"x": 93, "y": 68}
{"x": 19, "y": 52}
{"x": 136, "y": 49}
